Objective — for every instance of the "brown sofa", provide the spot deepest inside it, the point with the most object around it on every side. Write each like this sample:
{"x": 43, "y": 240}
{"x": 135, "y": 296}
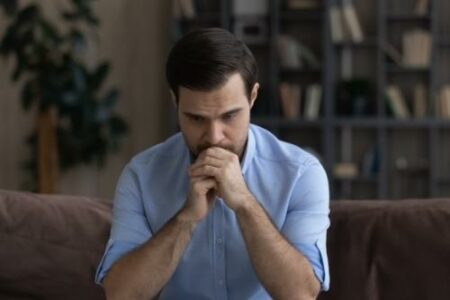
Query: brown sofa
{"x": 50, "y": 247}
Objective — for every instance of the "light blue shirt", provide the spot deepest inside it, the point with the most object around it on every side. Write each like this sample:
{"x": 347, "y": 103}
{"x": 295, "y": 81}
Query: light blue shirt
{"x": 288, "y": 182}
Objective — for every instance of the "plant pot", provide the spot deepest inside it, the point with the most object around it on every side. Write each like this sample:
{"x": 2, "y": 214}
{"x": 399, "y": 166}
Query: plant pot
{"x": 47, "y": 154}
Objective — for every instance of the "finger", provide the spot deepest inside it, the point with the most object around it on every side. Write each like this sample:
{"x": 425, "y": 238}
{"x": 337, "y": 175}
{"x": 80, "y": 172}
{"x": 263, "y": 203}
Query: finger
{"x": 215, "y": 152}
{"x": 208, "y": 160}
{"x": 204, "y": 170}
{"x": 205, "y": 185}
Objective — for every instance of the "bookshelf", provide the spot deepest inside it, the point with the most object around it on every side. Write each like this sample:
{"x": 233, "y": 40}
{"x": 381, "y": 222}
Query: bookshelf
{"x": 366, "y": 148}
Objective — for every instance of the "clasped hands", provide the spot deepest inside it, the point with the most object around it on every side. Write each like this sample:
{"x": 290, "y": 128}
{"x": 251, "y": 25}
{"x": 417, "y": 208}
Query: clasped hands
{"x": 215, "y": 173}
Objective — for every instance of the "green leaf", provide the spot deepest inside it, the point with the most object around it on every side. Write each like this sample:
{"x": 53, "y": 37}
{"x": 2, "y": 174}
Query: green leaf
{"x": 77, "y": 39}
{"x": 111, "y": 99}
{"x": 28, "y": 94}
{"x": 99, "y": 75}
{"x": 117, "y": 126}
{"x": 51, "y": 33}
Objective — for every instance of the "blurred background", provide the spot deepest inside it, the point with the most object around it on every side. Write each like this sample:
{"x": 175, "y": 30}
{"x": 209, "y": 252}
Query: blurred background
{"x": 364, "y": 85}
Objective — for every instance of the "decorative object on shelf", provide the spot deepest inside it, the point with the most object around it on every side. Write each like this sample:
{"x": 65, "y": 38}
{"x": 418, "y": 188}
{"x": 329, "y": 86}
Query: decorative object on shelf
{"x": 421, "y": 7}
{"x": 290, "y": 97}
{"x": 75, "y": 121}
{"x": 355, "y": 98}
{"x": 417, "y": 48}
{"x": 184, "y": 9}
{"x": 250, "y": 7}
{"x": 252, "y": 30}
{"x": 370, "y": 165}
{"x": 294, "y": 55}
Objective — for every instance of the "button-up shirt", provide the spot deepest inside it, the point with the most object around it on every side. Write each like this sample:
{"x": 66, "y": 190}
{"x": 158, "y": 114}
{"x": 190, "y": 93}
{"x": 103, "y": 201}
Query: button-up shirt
{"x": 288, "y": 182}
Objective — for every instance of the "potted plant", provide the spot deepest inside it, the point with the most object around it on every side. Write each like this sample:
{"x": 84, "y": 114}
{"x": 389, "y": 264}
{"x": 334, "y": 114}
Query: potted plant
{"x": 75, "y": 119}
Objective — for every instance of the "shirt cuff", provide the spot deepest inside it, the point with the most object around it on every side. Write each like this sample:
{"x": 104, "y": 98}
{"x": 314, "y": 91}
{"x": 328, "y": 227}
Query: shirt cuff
{"x": 114, "y": 250}
{"x": 316, "y": 255}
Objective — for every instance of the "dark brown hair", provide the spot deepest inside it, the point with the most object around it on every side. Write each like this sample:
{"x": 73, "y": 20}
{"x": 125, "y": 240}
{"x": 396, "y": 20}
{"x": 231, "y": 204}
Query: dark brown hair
{"x": 204, "y": 59}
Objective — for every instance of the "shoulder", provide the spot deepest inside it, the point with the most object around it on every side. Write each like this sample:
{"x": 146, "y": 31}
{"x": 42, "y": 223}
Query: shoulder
{"x": 271, "y": 150}
{"x": 159, "y": 154}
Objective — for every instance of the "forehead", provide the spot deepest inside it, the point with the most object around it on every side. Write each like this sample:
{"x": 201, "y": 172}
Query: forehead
{"x": 232, "y": 93}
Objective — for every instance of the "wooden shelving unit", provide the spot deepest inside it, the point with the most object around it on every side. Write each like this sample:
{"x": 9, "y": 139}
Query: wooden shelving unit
{"x": 409, "y": 157}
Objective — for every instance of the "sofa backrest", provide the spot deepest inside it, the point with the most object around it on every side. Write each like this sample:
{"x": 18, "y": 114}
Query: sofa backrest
{"x": 389, "y": 250}
{"x": 51, "y": 245}
{"x": 378, "y": 250}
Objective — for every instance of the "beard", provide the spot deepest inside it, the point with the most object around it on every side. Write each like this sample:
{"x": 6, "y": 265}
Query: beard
{"x": 202, "y": 147}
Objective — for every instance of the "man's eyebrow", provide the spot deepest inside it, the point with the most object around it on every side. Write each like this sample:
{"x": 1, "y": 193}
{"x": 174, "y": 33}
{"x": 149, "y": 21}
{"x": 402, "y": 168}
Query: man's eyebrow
{"x": 232, "y": 111}
{"x": 195, "y": 115}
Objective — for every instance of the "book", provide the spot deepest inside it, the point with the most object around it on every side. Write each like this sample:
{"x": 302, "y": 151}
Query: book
{"x": 393, "y": 54}
{"x": 421, "y": 7}
{"x": 301, "y": 4}
{"x": 397, "y": 102}
{"x": 444, "y": 99}
{"x": 313, "y": 101}
{"x": 352, "y": 21}
{"x": 184, "y": 9}
{"x": 290, "y": 97}
{"x": 336, "y": 24}
{"x": 420, "y": 101}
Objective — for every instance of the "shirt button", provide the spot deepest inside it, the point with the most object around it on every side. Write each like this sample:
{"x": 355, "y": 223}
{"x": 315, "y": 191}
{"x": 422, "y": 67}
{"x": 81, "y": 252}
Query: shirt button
{"x": 220, "y": 282}
{"x": 219, "y": 241}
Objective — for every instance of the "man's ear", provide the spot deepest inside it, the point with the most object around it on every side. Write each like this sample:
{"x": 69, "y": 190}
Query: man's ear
{"x": 254, "y": 94}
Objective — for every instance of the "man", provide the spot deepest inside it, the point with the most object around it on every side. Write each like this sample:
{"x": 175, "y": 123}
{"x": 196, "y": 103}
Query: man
{"x": 222, "y": 210}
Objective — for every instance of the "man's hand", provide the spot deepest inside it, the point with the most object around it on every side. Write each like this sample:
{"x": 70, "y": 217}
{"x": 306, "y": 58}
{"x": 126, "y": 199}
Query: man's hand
{"x": 223, "y": 166}
{"x": 200, "y": 199}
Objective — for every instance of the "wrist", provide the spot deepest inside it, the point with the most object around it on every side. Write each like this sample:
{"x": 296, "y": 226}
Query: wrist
{"x": 246, "y": 204}
{"x": 184, "y": 217}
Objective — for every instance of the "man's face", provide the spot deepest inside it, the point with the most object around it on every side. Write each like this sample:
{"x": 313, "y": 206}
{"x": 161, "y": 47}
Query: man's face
{"x": 216, "y": 118}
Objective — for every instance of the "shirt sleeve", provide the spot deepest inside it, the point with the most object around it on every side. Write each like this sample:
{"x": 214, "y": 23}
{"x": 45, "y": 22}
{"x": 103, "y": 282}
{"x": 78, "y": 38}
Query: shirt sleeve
{"x": 130, "y": 227}
{"x": 307, "y": 220}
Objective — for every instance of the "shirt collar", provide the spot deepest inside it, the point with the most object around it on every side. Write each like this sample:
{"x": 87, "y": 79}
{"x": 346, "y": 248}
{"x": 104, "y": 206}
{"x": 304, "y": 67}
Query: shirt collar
{"x": 249, "y": 151}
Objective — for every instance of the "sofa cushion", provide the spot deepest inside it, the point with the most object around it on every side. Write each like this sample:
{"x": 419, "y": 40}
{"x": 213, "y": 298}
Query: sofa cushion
{"x": 389, "y": 250}
{"x": 51, "y": 245}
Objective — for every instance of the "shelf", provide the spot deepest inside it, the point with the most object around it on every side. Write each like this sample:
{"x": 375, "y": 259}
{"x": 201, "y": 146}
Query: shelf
{"x": 443, "y": 181}
{"x": 394, "y": 69}
{"x": 379, "y": 135}
{"x": 445, "y": 43}
{"x": 297, "y": 72}
{"x": 391, "y": 123}
{"x": 358, "y": 179}
{"x": 280, "y": 122}
{"x": 367, "y": 42}
{"x": 312, "y": 15}
{"x": 408, "y": 17}
{"x": 202, "y": 19}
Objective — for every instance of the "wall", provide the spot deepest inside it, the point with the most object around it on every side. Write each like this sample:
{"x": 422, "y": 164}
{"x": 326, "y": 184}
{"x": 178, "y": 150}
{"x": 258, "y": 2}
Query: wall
{"x": 134, "y": 36}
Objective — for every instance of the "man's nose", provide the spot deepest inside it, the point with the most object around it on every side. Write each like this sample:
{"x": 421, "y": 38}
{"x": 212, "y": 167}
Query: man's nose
{"x": 214, "y": 133}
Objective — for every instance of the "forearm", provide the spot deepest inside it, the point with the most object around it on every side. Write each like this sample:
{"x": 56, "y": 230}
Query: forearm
{"x": 283, "y": 271}
{"x": 142, "y": 273}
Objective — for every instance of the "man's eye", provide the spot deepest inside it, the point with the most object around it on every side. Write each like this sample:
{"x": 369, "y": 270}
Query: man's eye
{"x": 229, "y": 116}
{"x": 196, "y": 118}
